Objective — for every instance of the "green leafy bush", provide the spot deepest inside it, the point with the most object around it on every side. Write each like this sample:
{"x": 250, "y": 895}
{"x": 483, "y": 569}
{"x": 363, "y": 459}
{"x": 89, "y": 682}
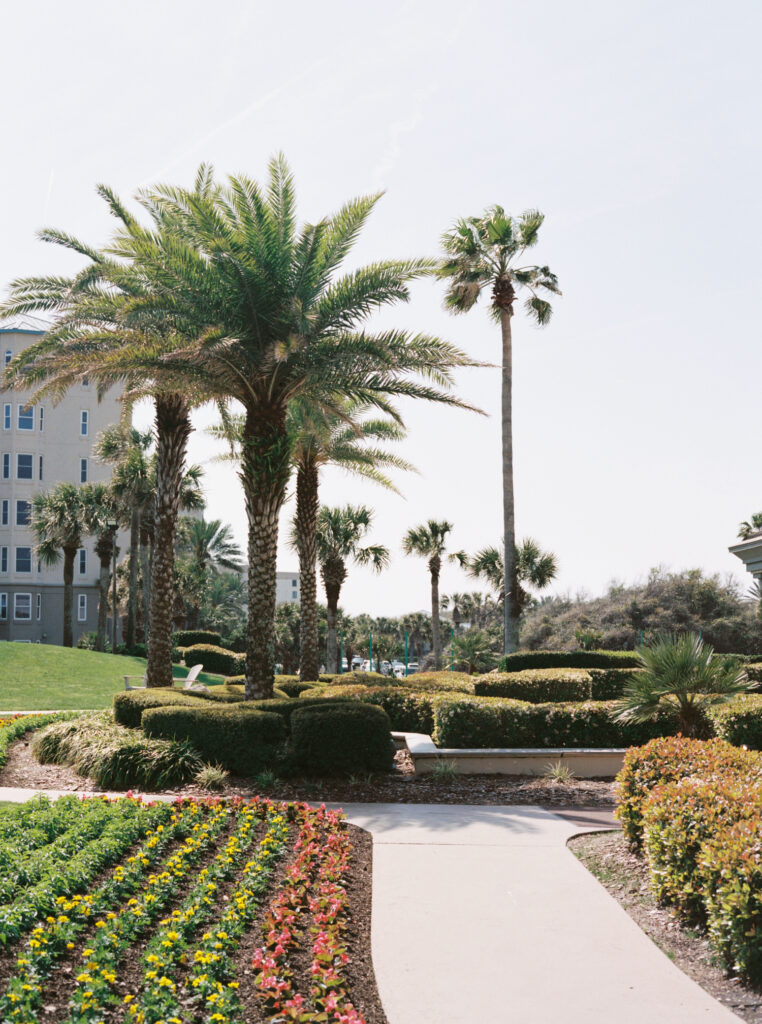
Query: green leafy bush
{"x": 677, "y": 819}
{"x": 740, "y": 721}
{"x": 522, "y": 660}
{"x": 754, "y": 671}
{"x": 407, "y": 711}
{"x": 215, "y": 659}
{"x": 497, "y": 722}
{"x": 538, "y": 686}
{"x": 295, "y": 688}
{"x": 130, "y": 705}
{"x": 437, "y": 682}
{"x": 353, "y": 678}
{"x": 286, "y": 707}
{"x": 243, "y": 743}
{"x": 330, "y": 739}
{"x": 670, "y": 759}
{"x": 190, "y": 637}
{"x": 609, "y": 683}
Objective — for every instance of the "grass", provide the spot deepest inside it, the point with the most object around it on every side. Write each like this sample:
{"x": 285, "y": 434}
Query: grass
{"x": 41, "y": 677}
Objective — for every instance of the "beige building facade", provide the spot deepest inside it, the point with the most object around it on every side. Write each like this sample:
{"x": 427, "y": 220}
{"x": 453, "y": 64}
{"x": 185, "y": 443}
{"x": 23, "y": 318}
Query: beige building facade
{"x": 40, "y": 446}
{"x": 287, "y": 588}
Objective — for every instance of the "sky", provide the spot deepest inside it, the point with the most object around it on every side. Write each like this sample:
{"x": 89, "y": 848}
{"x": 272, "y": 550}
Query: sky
{"x": 634, "y": 128}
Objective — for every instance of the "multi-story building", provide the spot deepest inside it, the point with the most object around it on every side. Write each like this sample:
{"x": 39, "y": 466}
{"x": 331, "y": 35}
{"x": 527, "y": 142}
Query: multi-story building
{"x": 40, "y": 446}
{"x": 287, "y": 588}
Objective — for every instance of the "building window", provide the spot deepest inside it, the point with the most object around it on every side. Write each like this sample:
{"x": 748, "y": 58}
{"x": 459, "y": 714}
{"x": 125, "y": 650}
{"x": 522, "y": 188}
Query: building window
{"x": 82, "y": 608}
{"x": 40, "y": 467}
{"x": 6, "y": 465}
{"x": 293, "y": 594}
{"x": 25, "y": 417}
{"x": 83, "y": 471}
{"x": 7, "y": 416}
{"x": 23, "y": 559}
{"x": 82, "y": 561}
{"x": 38, "y": 602}
{"x": 24, "y": 466}
{"x": 3, "y": 559}
{"x": 42, "y": 418}
{"x": 5, "y": 512}
{"x": 293, "y": 583}
{"x": 22, "y": 607}
{"x": 23, "y": 509}
{"x": 85, "y": 382}
{"x": 8, "y": 356}
{"x": 83, "y": 418}
{"x": 3, "y": 607}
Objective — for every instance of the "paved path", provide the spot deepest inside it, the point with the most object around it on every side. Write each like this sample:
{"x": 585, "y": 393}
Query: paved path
{"x": 481, "y": 915}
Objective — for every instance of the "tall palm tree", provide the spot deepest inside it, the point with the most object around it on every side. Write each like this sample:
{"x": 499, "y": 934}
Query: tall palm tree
{"x": 482, "y": 252}
{"x": 58, "y": 523}
{"x": 340, "y": 534}
{"x": 206, "y": 549}
{"x": 429, "y": 541}
{"x": 534, "y": 567}
{"x": 102, "y": 515}
{"x": 277, "y": 323}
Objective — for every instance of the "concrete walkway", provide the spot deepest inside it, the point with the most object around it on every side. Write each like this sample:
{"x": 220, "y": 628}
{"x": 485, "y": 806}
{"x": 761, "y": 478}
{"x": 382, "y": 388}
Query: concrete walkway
{"x": 481, "y": 915}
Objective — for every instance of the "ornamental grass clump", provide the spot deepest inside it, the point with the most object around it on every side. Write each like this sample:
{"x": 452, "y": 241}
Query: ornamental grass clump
{"x": 681, "y": 672}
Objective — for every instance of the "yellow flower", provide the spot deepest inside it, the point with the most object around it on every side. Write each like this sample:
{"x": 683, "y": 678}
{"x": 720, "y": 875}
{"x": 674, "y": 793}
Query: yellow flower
{"x": 128, "y": 998}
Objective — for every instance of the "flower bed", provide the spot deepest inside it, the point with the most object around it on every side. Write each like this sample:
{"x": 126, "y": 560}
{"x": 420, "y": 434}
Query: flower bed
{"x": 143, "y": 912}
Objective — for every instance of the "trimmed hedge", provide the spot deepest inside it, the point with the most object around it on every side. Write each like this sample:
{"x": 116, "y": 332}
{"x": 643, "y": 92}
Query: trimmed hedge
{"x": 294, "y": 689}
{"x": 668, "y": 760}
{"x": 189, "y": 637}
{"x": 330, "y": 739}
{"x": 408, "y": 712}
{"x": 739, "y": 721}
{"x": 215, "y": 659}
{"x": 538, "y": 686}
{"x": 130, "y": 705}
{"x": 609, "y": 683}
{"x": 243, "y": 743}
{"x": 567, "y": 659}
{"x": 353, "y": 678}
{"x": 286, "y": 707}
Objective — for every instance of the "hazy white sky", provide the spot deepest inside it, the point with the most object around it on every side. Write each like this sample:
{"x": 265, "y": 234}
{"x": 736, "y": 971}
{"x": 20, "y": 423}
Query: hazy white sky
{"x": 635, "y": 128}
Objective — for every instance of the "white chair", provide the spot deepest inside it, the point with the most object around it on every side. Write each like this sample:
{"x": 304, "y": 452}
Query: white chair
{"x": 189, "y": 682}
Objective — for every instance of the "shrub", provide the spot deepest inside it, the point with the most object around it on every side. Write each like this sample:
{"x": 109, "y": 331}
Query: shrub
{"x": 538, "y": 686}
{"x": 731, "y": 862}
{"x": 677, "y": 819}
{"x": 522, "y": 660}
{"x": 754, "y": 671}
{"x": 243, "y": 743}
{"x": 407, "y": 711}
{"x": 285, "y": 707}
{"x": 115, "y": 757}
{"x": 609, "y": 683}
{"x": 328, "y": 739}
{"x": 668, "y": 760}
{"x": 739, "y": 722}
{"x": 212, "y": 776}
{"x": 353, "y": 678}
{"x": 190, "y": 637}
{"x": 437, "y": 682}
{"x": 293, "y": 689}
{"x": 129, "y": 706}
{"x": 497, "y": 722}
{"x": 215, "y": 659}
{"x": 234, "y": 643}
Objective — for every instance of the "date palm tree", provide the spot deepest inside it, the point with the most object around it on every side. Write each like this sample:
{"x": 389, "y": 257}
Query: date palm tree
{"x": 487, "y": 252}
{"x": 205, "y": 549}
{"x": 534, "y": 567}
{"x": 429, "y": 541}
{"x": 749, "y": 528}
{"x": 340, "y": 534}
{"x": 58, "y": 523}
{"x": 277, "y": 322}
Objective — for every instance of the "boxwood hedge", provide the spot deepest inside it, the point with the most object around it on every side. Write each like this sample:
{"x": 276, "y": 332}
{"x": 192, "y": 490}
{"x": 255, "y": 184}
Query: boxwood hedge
{"x": 130, "y": 705}
{"x": 328, "y": 739}
{"x": 537, "y": 686}
{"x": 567, "y": 659}
{"x": 189, "y": 637}
{"x": 215, "y": 659}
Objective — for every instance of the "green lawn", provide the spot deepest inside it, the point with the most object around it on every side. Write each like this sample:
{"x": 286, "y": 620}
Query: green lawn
{"x": 37, "y": 677}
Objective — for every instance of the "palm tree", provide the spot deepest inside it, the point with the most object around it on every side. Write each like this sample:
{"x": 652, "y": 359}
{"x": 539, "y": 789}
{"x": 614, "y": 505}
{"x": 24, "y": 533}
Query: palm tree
{"x": 102, "y": 516}
{"x": 418, "y": 628}
{"x": 429, "y": 541}
{"x": 750, "y": 528}
{"x": 58, "y": 523}
{"x": 534, "y": 567}
{"x": 480, "y": 253}
{"x": 206, "y": 549}
{"x": 340, "y": 534}
{"x": 680, "y": 672}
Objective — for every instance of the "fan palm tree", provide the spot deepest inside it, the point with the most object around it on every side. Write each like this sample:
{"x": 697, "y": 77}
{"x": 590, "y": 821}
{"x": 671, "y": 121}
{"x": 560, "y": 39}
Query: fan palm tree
{"x": 483, "y": 252}
{"x": 534, "y": 567}
{"x": 680, "y": 672}
{"x": 340, "y": 534}
{"x": 206, "y": 549}
{"x": 277, "y": 323}
{"x": 429, "y": 541}
{"x": 102, "y": 515}
{"x": 750, "y": 528}
{"x": 58, "y": 522}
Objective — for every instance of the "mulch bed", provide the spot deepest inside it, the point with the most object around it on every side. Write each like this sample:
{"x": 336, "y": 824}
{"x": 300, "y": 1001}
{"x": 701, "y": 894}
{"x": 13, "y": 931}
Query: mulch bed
{"x": 625, "y": 876}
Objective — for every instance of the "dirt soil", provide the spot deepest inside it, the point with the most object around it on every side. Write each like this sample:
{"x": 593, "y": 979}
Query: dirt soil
{"x": 24, "y": 771}
{"x": 625, "y": 876}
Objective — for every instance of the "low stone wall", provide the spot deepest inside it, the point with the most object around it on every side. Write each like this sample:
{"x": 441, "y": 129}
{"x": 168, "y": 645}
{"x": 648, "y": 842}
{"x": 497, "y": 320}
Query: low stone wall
{"x": 585, "y": 763}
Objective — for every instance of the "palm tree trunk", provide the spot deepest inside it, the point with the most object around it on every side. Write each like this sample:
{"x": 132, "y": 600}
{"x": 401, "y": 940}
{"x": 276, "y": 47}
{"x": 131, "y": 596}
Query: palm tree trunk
{"x": 132, "y": 594}
{"x": 145, "y": 575}
{"x": 265, "y": 471}
{"x": 173, "y": 429}
{"x": 435, "y": 564}
{"x": 510, "y": 583}
{"x": 69, "y": 553}
{"x": 306, "y": 531}
{"x": 104, "y": 549}
{"x": 334, "y": 573}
